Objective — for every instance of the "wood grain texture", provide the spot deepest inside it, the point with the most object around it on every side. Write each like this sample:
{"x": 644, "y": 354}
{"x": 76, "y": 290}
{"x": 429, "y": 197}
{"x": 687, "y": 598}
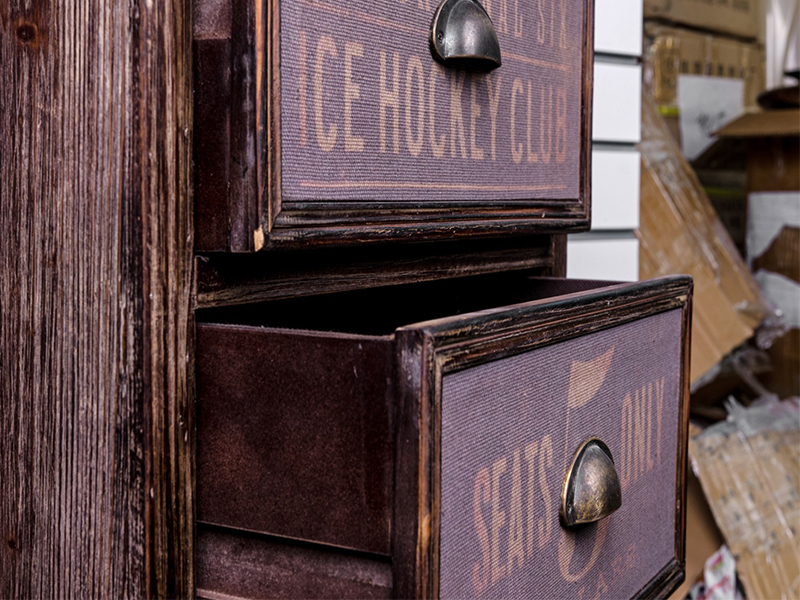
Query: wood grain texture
{"x": 95, "y": 439}
{"x": 228, "y": 279}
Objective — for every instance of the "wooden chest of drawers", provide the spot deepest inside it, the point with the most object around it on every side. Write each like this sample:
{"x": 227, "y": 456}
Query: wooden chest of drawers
{"x": 385, "y": 422}
{"x": 400, "y": 456}
{"x": 412, "y": 441}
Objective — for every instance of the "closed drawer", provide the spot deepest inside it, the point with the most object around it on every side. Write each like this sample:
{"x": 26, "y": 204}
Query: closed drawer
{"x": 324, "y": 123}
{"x": 351, "y": 446}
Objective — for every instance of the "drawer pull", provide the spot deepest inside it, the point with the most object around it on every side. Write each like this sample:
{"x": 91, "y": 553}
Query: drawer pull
{"x": 591, "y": 489}
{"x": 463, "y": 36}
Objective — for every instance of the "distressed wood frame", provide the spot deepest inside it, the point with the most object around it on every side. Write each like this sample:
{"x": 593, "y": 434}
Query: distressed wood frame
{"x": 439, "y": 348}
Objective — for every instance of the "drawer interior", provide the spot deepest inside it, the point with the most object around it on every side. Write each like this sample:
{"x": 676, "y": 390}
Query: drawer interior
{"x": 380, "y": 311}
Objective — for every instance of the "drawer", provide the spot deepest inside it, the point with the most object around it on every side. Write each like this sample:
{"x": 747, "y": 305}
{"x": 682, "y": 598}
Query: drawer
{"x": 368, "y": 444}
{"x": 320, "y": 123}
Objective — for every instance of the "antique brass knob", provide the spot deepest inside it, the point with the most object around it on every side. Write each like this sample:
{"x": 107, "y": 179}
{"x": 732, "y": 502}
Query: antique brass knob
{"x": 463, "y": 36}
{"x": 591, "y": 489}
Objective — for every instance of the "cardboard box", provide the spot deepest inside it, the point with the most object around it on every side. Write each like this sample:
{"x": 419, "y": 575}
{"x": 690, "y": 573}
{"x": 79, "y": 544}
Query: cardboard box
{"x": 703, "y": 537}
{"x": 671, "y": 51}
{"x": 733, "y": 17}
{"x": 747, "y": 466}
{"x": 681, "y": 233}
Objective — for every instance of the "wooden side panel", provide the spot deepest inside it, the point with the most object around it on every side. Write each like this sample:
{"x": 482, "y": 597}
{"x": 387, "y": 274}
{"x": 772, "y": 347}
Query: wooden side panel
{"x": 243, "y": 167}
{"x": 411, "y": 475}
{"x": 95, "y": 442}
{"x": 294, "y": 434}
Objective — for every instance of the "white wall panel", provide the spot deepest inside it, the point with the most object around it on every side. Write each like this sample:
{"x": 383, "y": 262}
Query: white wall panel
{"x": 618, "y": 27}
{"x": 615, "y": 188}
{"x": 617, "y": 113}
{"x": 599, "y": 257}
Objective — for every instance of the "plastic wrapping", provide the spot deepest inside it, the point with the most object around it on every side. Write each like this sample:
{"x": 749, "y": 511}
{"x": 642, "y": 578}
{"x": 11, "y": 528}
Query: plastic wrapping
{"x": 749, "y": 468}
{"x": 744, "y": 364}
{"x": 719, "y": 578}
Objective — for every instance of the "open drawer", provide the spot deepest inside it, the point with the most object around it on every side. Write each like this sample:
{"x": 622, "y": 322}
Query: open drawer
{"x": 412, "y": 441}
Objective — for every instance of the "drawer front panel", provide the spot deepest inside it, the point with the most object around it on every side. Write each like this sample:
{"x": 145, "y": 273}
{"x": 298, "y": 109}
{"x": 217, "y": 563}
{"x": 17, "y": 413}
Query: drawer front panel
{"x": 510, "y": 428}
{"x": 367, "y": 113}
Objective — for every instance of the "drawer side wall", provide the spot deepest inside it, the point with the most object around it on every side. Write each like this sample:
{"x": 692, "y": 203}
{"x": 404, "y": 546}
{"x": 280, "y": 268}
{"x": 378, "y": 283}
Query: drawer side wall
{"x": 293, "y": 434}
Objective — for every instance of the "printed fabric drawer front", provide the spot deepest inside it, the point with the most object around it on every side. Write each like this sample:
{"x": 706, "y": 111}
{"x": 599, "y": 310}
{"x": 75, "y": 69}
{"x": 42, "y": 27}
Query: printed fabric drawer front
{"x": 509, "y": 431}
{"x": 509, "y": 397}
{"x": 429, "y": 460}
{"x": 331, "y": 122}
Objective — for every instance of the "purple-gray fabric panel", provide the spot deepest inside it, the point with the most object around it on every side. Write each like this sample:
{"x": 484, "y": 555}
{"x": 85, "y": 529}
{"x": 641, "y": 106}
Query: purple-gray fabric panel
{"x": 439, "y": 139}
{"x": 525, "y": 415}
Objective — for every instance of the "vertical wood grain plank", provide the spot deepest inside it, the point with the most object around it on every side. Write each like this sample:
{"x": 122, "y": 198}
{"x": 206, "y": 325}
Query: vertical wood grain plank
{"x": 168, "y": 242}
{"x": 558, "y": 245}
{"x": 243, "y": 162}
{"x": 94, "y": 299}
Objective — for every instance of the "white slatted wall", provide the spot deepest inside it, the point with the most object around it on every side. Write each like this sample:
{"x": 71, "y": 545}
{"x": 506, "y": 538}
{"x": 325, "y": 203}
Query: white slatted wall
{"x": 610, "y": 251}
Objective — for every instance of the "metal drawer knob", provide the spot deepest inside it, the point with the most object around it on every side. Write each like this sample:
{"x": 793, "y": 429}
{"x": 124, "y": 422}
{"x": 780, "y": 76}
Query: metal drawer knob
{"x": 463, "y": 36}
{"x": 591, "y": 489}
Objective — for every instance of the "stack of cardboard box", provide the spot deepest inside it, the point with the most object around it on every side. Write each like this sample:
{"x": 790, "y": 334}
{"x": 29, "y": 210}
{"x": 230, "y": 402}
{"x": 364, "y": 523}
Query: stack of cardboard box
{"x": 730, "y": 218}
{"x": 696, "y": 37}
{"x": 680, "y": 233}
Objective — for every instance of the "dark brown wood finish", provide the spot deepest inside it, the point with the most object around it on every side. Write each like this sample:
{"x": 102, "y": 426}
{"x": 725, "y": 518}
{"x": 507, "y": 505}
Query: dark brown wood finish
{"x": 453, "y": 344}
{"x": 96, "y": 439}
{"x": 683, "y": 443}
{"x": 281, "y": 456}
{"x": 663, "y": 584}
{"x": 267, "y": 433}
{"x": 237, "y": 564}
{"x": 254, "y": 215}
{"x": 559, "y": 251}
{"x": 227, "y": 279}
